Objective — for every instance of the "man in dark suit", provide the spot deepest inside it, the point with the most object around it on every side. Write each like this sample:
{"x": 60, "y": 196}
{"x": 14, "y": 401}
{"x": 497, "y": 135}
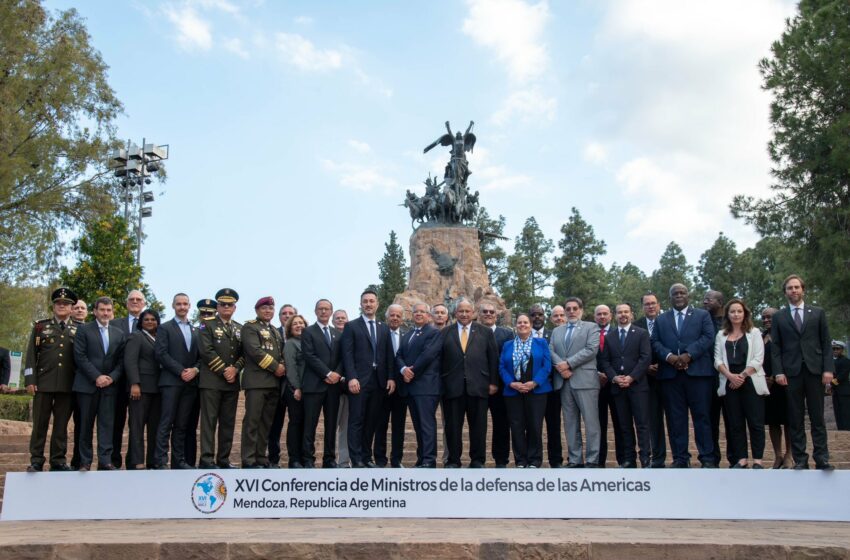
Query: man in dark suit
{"x": 322, "y": 384}
{"x": 841, "y": 386}
{"x": 657, "y": 434}
{"x": 602, "y": 316}
{"x": 801, "y": 357}
{"x": 367, "y": 353}
{"x": 469, "y": 367}
{"x": 500, "y": 445}
{"x": 395, "y": 405}
{"x": 135, "y": 305}
{"x": 625, "y": 359}
{"x": 98, "y": 354}
{"x": 287, "y": 311}
{"x": 176, "y": 351}
{"x": 712, "y": 302}
{"x": 418, "y": 361}
{"x": 552, "y": 417}
{"x": 684, "y": 343}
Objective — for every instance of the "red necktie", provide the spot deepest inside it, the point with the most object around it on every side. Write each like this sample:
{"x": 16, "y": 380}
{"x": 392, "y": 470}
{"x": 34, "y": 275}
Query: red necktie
{"x": 602, "y": 339}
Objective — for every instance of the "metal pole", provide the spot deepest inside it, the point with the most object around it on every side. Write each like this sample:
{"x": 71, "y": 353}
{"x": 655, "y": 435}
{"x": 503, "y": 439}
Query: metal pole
{"x": 141, "y": 202}
{"x": 125, "y": 184}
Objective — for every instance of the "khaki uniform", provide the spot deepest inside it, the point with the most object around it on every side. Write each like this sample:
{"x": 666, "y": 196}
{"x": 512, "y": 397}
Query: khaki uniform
{"x": 263, "y": 350}
{"x": 49, "y": 366}
{"x": 220, "y": 346}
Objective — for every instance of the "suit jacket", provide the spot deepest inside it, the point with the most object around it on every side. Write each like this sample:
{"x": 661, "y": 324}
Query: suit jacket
{"x": 123, "y": 324}
{"x": 320, "y": 358}
{"x": 602, "y": 343}
{"x": 5, "y": 366}
{"x": 581, "y": 355}
{"x": 791, "y": 349}
{"x": 842, "y": 376}
{"x": 642, "y": 324}
{"x": 140, "y": 363}
{"x": 755, "y": 359}
{"x": 358, "y": 354}
{"x": 471, "y": 372}
{"x": 696, "y": 339}
{"x": 541, "y": 366}
{"x": 171, "y": 353}
{"x": 422, "y": 353}
{"x": 632, "y": 359}
{"x": 90, "y": 359}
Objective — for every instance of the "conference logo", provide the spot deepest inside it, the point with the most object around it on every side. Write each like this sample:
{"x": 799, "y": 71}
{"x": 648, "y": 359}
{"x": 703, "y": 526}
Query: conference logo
{"x": 209, "y": 493}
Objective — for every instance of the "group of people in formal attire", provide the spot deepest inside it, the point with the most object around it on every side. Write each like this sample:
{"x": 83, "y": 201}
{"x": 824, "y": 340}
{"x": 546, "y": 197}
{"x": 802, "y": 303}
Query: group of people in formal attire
{"x": 361, "y": 377}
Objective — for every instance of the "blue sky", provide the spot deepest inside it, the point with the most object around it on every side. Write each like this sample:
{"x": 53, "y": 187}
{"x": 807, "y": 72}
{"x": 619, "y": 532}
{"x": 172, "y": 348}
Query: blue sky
{"x": 296, "y": 127}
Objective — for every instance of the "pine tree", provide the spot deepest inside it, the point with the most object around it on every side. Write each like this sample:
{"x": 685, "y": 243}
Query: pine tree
{"x": 577, "y": 270}
{"x": 392, "y": 272}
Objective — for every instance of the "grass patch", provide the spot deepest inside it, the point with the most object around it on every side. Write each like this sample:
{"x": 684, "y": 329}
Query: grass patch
{"x": 15, "y": 407}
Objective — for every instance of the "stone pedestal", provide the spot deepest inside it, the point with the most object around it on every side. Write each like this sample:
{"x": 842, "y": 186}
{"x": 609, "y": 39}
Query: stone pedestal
{"x": 445, "y": 263}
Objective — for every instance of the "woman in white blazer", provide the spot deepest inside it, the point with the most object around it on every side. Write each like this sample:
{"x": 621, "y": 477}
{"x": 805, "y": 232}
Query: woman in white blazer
{"x": 738, "y": 356}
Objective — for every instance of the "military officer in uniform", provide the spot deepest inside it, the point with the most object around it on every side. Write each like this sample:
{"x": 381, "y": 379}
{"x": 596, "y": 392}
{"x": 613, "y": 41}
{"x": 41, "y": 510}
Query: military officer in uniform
{"x": 206, "y": 310}
{"x": 49, "y": 375}
{"x": 221, "y": 362}
{"x": 262, "y": 346}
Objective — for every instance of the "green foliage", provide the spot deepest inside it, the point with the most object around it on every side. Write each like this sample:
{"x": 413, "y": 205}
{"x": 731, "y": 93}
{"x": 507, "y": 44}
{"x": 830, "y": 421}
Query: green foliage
{"x": 516, "y": 286}
{"x": 107, "y": 265}
{"x": 672, "y": 268}
{"x": 628, "y": 284}
{"x": 56, "y": 125}
{"x": 494, "y": 257}
{"x": 717, "y": 268}
{"x": 21, "y": 306}
{"x": 534, "y": 250}
{"x": 392, "y": 271}
{"x": 810, "y": 116}
{"x": 760, "y": 271}
{"x": 577, "y": 270}
{"x": 15, "y": 407}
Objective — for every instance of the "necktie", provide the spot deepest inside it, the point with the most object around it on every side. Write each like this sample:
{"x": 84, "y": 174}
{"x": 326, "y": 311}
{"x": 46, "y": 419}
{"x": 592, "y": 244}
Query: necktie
{"x": 104, "y": 337}
{"x": 798, "y": 320}
{"x": 132, "y": 323}
{"x": 62, "y": 325}
{"x": 374, "y": 342}
{"x": 602, "y": 339}
{"x": 622, "y": 338}
{"x": 569, "y": 336}
{"x": 395, "y": 341}
{"x": 187, "y": 335}
{"x": 464, "y": 337}
{"x": 416, "y": 331}
{"x": 651, "y": 324}
{"x": 679, "y": 320}
{"x": 327, "y": 335}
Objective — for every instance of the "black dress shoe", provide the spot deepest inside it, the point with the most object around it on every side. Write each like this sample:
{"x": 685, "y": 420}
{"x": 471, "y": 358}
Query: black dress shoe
{"x": 35, "y": 467}
{"x": 359, "y": 465}
{"x": 84, "y": 468}
{"x": 574, "y": 466}
{"x": 501, "y": 465}
{"x": 107, "y": 467}
{"x": 182, "y": 465}
{"x": 371, "y": 465}
{"x": 397, "y": 465}
{"x": 206, "y": 465}
{"x": 629, "y": 465}
{"x": 556, "y": 465}
{"x": 657, "y": 466}
{"x": 296, "y": 465}
{"x": 825, "y": 467}
{"x": 591, "y": 466}
{"x": 451, "y": 466}
{"x": 426, "y": 466}
{"x": 476, "y": 465}
{"x": 709, "y": 465}
{"x": 330, "y": 465}
{"x": 250, "y": 466}
{"x": 227, "y": 466}
{"x": 680, "y": 465}
{"x": 801, "y": 466}
{"x": 60, "y": 468}
{"x": 757, "y": 466}
{"x": 162, "y": 467}
{"x": 308, "y": 465}
{"x": 739, "y": 466}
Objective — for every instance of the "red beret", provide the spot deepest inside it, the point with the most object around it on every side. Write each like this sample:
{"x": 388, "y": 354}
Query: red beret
{"x": 268, "y": 300}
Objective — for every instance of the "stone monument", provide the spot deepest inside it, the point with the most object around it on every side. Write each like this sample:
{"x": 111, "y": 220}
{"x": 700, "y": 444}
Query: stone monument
{"x": 445, "y": 257}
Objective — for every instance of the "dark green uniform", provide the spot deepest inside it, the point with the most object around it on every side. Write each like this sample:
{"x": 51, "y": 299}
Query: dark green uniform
{"x": 50, "y": 367}
{"x": 220, "y": 347}
{"x": 263, "y": 350}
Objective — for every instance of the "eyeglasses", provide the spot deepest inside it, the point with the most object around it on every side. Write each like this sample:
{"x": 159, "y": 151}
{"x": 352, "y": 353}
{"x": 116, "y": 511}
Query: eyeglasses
{"x": 487, "y": 312}
{"x": 222, "y": 304}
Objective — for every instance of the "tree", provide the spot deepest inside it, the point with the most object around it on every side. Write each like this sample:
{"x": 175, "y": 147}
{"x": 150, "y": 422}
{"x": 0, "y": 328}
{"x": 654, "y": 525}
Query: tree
{"x": 760, "y": 271}
{"x": 21, "y": 306}
{"x": 392, "y": 271}
{"x": 717, "y": 267}
{"x": 672, "y": 268}
{"x": 516, "y": 286}
{"x": 628, "y": 284}
{"x": 810, "y": 148}
{"x": 577, "y": 271}
{"x": 494, "y": 257}
{"x": 107, "y": 265}
{"x": 56, "y": 117}
{"x": 532, "y": 251}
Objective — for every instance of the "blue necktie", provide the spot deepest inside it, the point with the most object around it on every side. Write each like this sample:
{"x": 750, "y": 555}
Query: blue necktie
{"x": 104, "y": 337}
{"x": 622, "y": 338}
{"x": 569, "y": 337}
{"x": 679, "y": 320}
{"x": 374, "y": 342}
{"x": 327, "y": 336}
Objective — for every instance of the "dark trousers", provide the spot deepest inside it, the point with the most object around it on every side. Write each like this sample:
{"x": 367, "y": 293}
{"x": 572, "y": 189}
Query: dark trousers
{"x": 744, "y": 410}
{"x": 475, "y": 410}
{"x": 525, "y": 414}
{"x": 364, "y": 409}
{"x": 96, "y": 406}
{"x": 190, "y": 452}
{"x": 260, "y": 407}
{"x": 177, "y": 403}
{"x": 686, "y": 393}
{"x": 805, "y": 391}
{"x": 326, "y": 403}
{"x": 606, "y": 404}
{"x": 657, "y": 434}
{"x": 423, "y": 412}
{"x": 500, "y": 446}
{"x": 718, "y": 410}
{"x": 218, "y": 410}
{"x": 276, "y": 431}
{"x": 553, "y": 429}
{"x": 295, "y": 427}
{"x": 75, "y": 457}
{"x": 632, "y": 407}
{"x": 144, "y": 415}
{"x": 841, "y": 406}
{"x": 394, "y": 412}
{"x": 122, "y": 400}
{"x": 44, "y": 405}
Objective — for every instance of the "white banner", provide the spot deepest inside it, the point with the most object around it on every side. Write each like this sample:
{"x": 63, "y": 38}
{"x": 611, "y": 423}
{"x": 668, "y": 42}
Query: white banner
{"x": 493, "y": 493}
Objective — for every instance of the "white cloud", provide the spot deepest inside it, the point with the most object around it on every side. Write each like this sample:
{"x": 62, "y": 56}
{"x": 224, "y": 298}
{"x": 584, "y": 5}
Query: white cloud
{"x": 193, "y": 32}
{"x": 513, "y": 29}
{"x": 360, "y": 147}
{"x": 489, "y": 177}
{"x": 303, "y": 20}
{"x": 529, "y": 105}
{"x": 594, "y": 152}
{"x": 361, "y": 176}
{"x": 235, "y": 46}
{"x": 303, "y": 54}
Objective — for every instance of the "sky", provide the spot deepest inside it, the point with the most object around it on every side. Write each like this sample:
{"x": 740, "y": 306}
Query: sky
{"x": 295, "y": 128}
